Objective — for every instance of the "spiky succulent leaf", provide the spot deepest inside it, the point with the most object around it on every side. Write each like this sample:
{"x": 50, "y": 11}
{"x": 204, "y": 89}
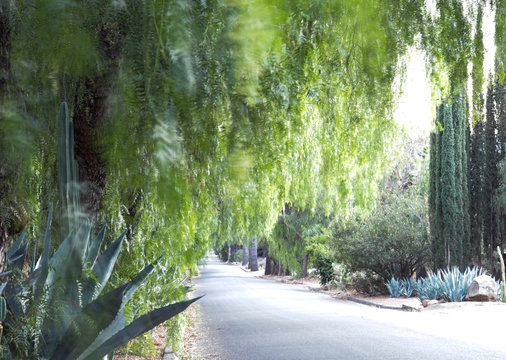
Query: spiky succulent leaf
{"x": 93, "y": 318}
{"x": 15, "y": 247}
{"x": 94, "y": 247}
{"x": 138, "y": 327}
{"x": 119, "y": 321}
{"x": 5, "y": 273}
{"x": 3, "y": 309}
{"x": 394, "y": 287}
{"x": 44, "y": 258}
{"x": 102, "y": 271}
{"x": 2, "y": 286}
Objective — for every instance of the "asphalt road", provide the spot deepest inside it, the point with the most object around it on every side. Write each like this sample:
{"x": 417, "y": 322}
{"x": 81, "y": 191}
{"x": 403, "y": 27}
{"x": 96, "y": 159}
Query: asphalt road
{"x": 250, "y": 318}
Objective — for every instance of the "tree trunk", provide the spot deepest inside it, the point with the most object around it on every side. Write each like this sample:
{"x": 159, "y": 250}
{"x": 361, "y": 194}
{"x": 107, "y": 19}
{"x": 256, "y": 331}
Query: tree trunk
{"x": 233, "y": 251}
{"x": 304, "y": 266}
{"x": 89, "y": 115}
{"x": 253, "y": 259}
{"x": 268, "y": 261}
{"x": 228, "y": 254}
{"x": 5, "y": 44}
{"x": 244, "y": 255}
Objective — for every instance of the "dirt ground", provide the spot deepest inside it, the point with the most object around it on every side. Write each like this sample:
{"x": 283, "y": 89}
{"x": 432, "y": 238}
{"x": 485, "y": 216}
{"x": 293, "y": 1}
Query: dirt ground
{"x": 196, "y": 338}
{"x": 160, "y": 337}
{"x": 313, "y": 284}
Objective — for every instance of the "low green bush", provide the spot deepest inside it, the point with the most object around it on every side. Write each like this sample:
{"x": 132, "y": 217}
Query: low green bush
{"x": 324, "y": 268}
{"x": 392, "y": 241}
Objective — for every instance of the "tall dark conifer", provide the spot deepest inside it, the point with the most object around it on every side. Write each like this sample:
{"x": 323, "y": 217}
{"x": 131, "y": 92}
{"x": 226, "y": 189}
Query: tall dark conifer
{"x": 459, "y": 201}
{"x": 490, "y": 178}
{"x": 433, "y": 178}
{"x": 500, "y": 103}
{"x": 438, "y": 248}
{"x": 448, "y": 196}
{"x": 476, "y": 143}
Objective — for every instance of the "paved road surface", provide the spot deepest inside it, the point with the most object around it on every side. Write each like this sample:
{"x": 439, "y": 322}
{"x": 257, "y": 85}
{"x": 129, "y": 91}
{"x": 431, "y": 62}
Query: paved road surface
{"x": 251, "y": 318}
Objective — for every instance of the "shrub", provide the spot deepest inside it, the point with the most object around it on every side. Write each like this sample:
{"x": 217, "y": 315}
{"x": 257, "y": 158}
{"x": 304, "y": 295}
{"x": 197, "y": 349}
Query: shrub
{"x": 392, "y": 241}
{"x": 236, "y": 256}
{"x": 324, "y": 268}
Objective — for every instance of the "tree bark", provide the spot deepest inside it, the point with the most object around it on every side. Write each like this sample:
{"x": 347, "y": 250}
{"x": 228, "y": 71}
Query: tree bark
{"x": 244, "y": 255}
{"x": 233, "y": 250}
{"x": 89, "y": 115}
{"x": 304, "y": 266}
{"x": 253, "y": 259}
{"x": 5, "y": 45}
{"x": 268, "y": 261}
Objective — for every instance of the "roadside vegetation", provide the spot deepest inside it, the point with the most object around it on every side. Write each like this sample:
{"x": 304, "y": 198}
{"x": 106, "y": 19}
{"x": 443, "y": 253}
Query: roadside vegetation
{"x": 259, "y": 128}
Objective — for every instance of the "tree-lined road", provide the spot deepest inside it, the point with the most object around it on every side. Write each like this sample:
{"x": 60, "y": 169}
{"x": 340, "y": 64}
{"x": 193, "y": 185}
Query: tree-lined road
{"x": 251, "y": 318}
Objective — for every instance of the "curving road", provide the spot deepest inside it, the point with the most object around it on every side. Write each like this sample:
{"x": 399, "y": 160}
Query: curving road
{"x": 250, "y": 318}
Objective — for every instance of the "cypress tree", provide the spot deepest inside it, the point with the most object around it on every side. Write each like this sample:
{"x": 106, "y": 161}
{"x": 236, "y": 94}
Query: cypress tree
{"x": 432, "y": 187}
{"x": 500, "y": 103}
{"x": 438, "y": 250}
{"x": 459, "y": 201}
{"x": 448, "y": 190}
{"x": 476, "y": 144}
{"x": 476, "y": 170}
{"x": 464, "y": 187}
{"x": 490, "y": 178}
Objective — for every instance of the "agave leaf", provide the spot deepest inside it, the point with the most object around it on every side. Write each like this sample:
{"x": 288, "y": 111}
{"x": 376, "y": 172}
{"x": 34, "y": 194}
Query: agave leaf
{"x": 2, "y": 287}
{"x": 14, "y": 292}
{"x": 65, "y": 270}
{"x": 5, "y": 273}
{"x": 44, "y": 258}
{"x": 18, "y": 258}
{"x": 138, "y": 327}
{"x": 119, "y": 322}
{"x": 94, "y": 247}
{"x": 85, "y": 241}
{"x": 102, "y": 271}
{"x": 93, "y": 318}
{"x": 15, "y": 247}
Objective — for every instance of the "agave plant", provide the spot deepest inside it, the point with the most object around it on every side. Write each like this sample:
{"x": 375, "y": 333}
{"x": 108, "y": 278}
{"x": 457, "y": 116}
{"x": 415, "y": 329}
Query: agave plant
{"x": 62, "y": 294}
{"x": 394, "y": 287}
{"x": 407, "y": 287}
{"x": 429, "y": 288}
{"x": 450, "y": 284}
{"x": 77, "y": 320}
{"x": 455, "y": 284}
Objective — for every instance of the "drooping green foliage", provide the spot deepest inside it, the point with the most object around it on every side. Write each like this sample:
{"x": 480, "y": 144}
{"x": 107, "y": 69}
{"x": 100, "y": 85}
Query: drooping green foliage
{"x": 60, "y": 301}
{"x": 197, "y": 121}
